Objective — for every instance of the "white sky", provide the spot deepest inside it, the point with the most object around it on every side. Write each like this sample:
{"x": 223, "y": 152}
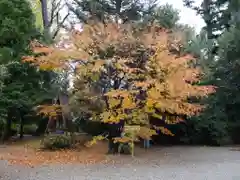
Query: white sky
{"x": 188, "y": 16}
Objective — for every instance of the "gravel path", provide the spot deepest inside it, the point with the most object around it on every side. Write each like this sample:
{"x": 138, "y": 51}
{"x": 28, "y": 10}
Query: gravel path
{"x": 168, "y": 163}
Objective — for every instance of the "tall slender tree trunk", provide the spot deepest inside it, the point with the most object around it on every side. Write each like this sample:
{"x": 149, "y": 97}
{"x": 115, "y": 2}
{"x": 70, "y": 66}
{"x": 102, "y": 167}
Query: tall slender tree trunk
{"x": 21, "y": 124}
{"x": 45, "y": 14}
{"x": 206, "y": 5}
{"x": 7, "y": 129}
{"x": 118, "y": 11}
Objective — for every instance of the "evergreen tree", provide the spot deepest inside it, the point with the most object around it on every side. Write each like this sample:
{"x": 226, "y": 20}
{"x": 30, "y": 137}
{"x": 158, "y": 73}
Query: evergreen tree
{"x": 217, "y": 14}
{"x": 167, "y": 16}
{"x": 113, "y": 10}
{"x": 22, "y": 85}
{"x": 17, "y": 25}
{"x": 220, "y": 122}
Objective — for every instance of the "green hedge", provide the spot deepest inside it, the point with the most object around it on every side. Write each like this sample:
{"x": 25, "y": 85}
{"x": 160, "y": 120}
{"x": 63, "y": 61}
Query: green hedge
{"x": 27, "y": 129}
{"x": 92, "y": 127}
{"x": 30, "y": 129}
{"x": 56, "y": 141}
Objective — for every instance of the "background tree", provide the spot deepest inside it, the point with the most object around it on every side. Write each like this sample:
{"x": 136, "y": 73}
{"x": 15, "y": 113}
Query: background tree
{"x": 216, "y": 14}
{"x": 23, "y": 82}
{"x": 167, "y": 16}
{"x": 200, "y": 46}
{"x": 50, "y": 16}
{"x": 123, "y": 10}
{"x": 219, "y": 122}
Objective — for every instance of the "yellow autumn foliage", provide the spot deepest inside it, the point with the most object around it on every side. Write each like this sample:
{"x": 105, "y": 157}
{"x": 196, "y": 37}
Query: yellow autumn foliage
{"x": 146, "y": 133}
{"x": 133, "y": 71}
{"x": 49, "y": 110}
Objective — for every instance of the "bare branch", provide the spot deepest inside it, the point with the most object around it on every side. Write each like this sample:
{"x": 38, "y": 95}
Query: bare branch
{"x": 54, "y": 9}
{"x": 60, "y": 25}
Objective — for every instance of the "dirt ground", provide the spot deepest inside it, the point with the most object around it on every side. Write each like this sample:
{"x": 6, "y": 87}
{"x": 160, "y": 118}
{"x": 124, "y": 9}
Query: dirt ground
{"x": 164, "y": 163}
{"x": 28, "y": 154}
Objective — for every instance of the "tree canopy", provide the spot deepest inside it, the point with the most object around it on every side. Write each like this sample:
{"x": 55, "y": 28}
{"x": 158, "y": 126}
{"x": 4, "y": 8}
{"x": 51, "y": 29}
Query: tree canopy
{"x": 128, "y": 74}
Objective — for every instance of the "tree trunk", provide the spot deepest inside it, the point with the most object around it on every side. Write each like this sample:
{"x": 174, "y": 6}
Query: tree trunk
{"x": 21, "y": 124}
{"x": 118, "y": 11}
{"x": 7, "y": 129}
{"x": 206, "y": 5}
{"x": 45, "y": 14}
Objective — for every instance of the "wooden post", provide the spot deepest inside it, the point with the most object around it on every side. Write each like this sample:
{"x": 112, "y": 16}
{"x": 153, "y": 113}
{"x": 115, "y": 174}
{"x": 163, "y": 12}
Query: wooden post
{"x": 21, "y": 125}
{"x": 133, "y": 135}
{"x": 132, "y": 130}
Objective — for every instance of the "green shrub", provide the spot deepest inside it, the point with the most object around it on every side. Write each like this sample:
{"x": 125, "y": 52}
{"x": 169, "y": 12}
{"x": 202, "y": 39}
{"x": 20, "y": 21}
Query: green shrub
{"x": 30, "y": 129}
{"x": 93, "y": 128}
{"x": 125, "y": 148}
{"x": 27, "y": 128}
{"x": 14, "y": 126}
{"x": 56, "y": 141}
